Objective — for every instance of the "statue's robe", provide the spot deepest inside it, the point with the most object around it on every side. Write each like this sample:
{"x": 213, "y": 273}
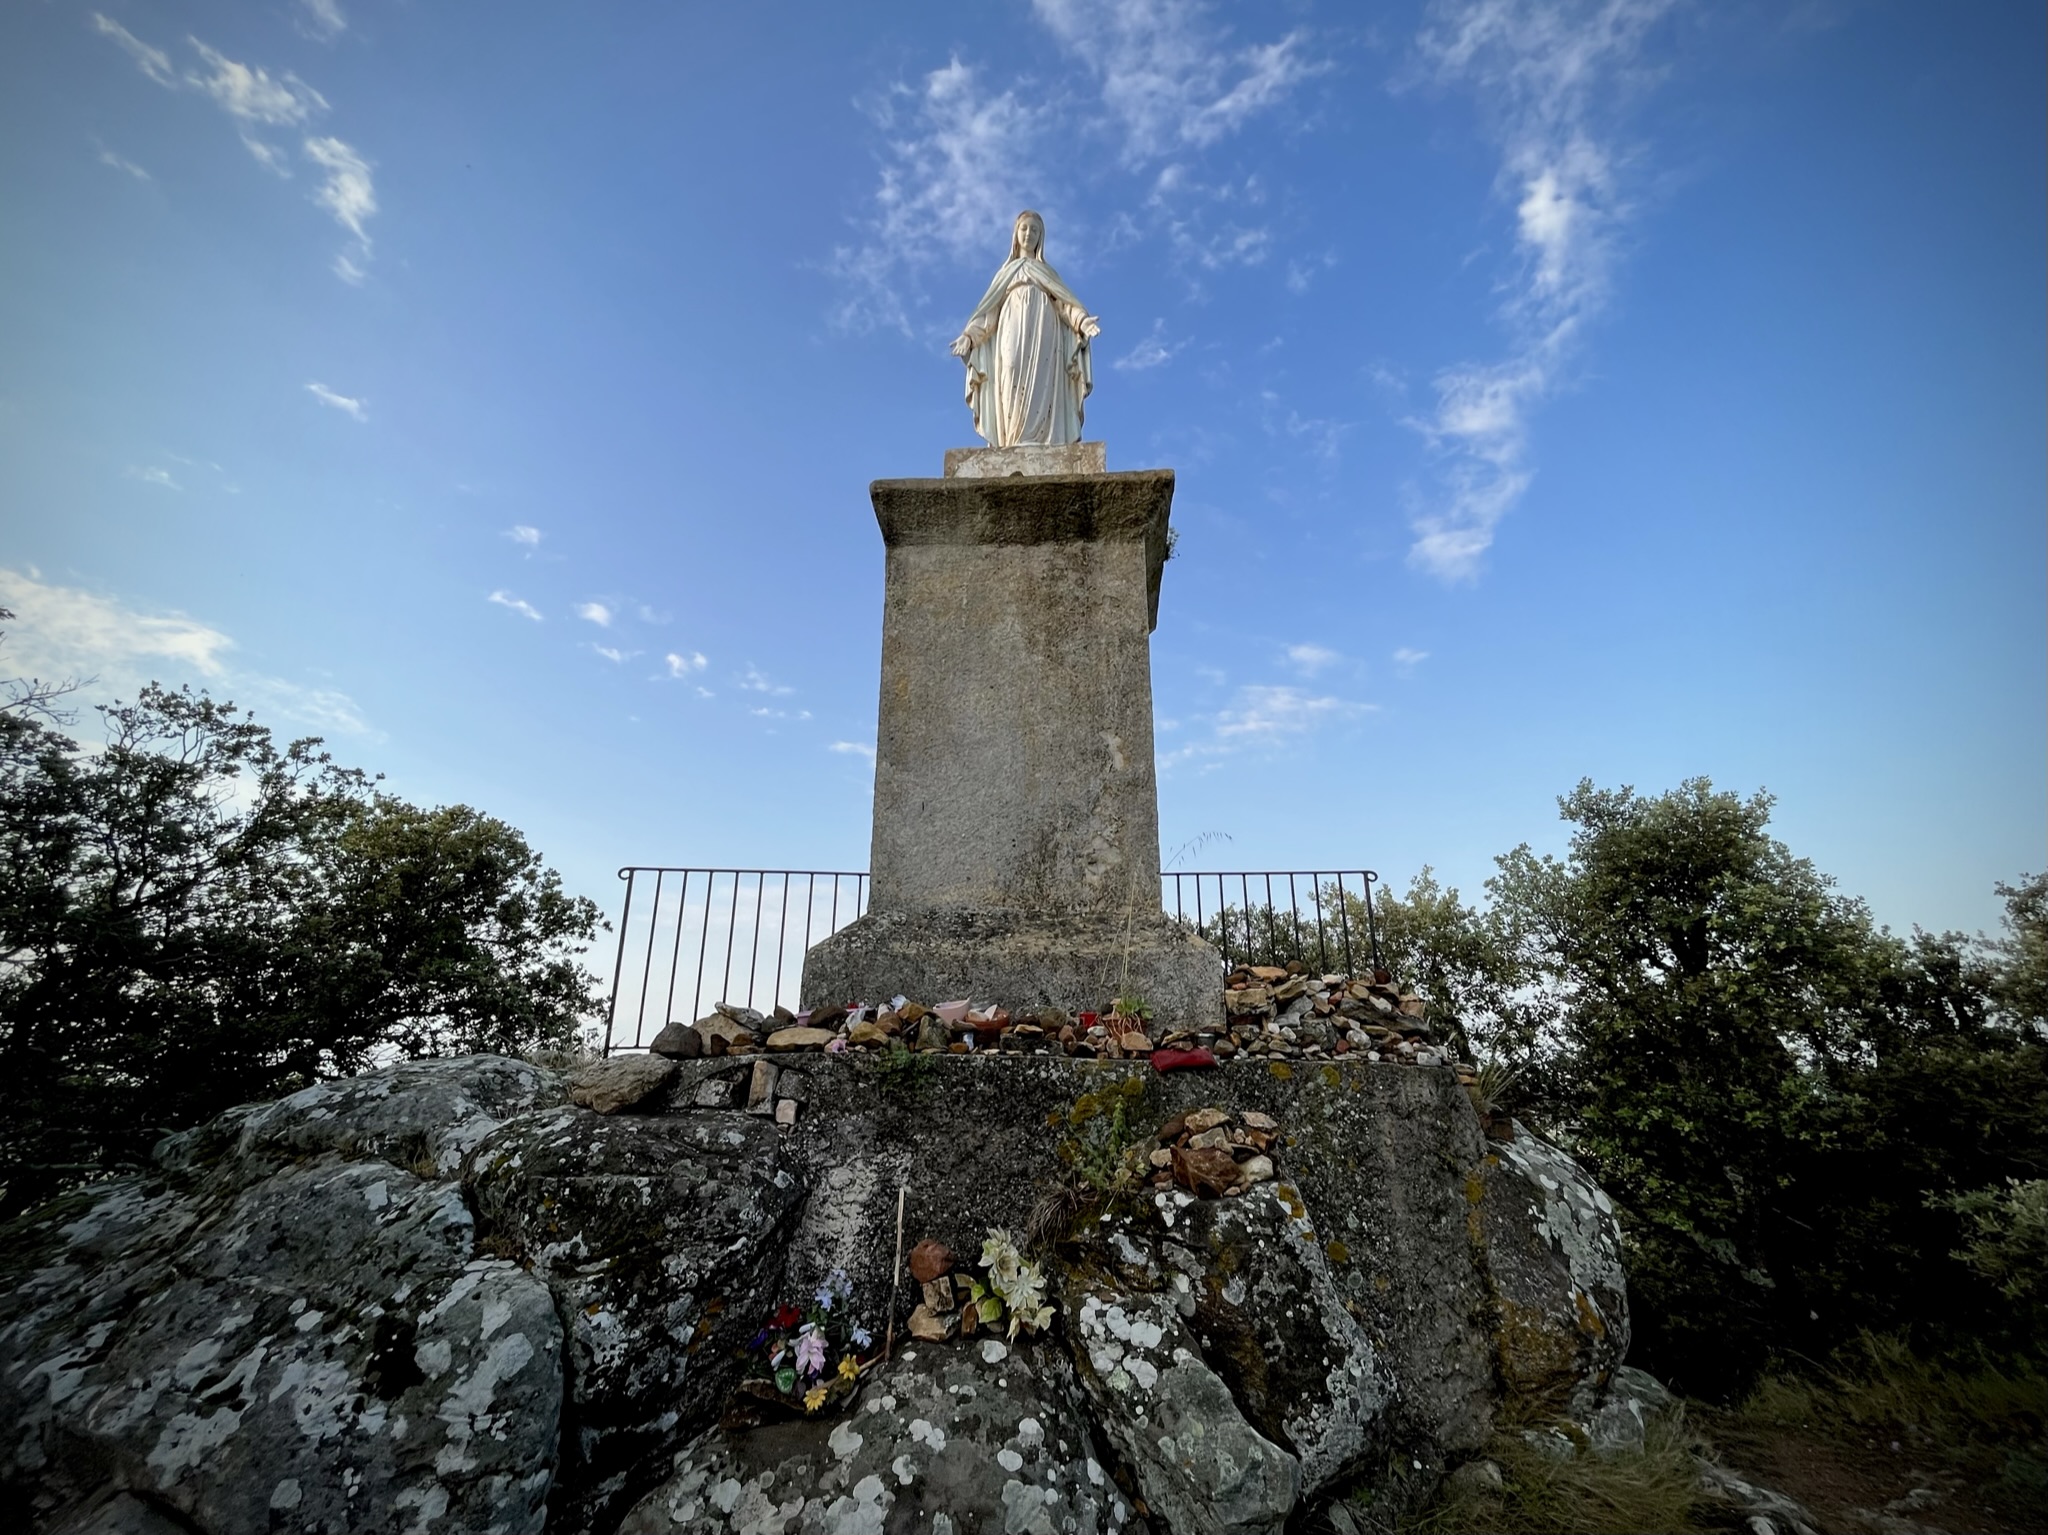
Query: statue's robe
{"x": 1029, "y": 371}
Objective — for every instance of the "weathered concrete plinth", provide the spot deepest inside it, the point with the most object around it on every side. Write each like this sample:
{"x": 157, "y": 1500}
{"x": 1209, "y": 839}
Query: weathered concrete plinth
{"x": 1016, "y": 830}
{"x": 1019, "y": 959}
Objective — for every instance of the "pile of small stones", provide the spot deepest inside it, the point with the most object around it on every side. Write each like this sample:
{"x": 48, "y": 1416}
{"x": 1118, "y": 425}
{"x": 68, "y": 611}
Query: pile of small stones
{"x": 1273, "y": 1012}
{"x": 1214, "y": 1153}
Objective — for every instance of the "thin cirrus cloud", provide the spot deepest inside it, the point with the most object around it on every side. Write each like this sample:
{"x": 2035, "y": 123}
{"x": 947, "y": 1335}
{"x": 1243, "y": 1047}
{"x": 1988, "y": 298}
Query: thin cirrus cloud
{"x": 256, "y": 100}
{"x": 1266, "y": 716}
{"x": 1151, "y": 351}
{"x": 753, "y": 680}
{"x": 322, "y": 20}
{"x": 112, "y": 648}
{"x": 352, "y": 408}
{"x": 524, "y": 535}
{"x": 150, "y": 474}
{"x": 962, "y": 152}
{"x": 1311, "y": 658}
{"x": 681, "y": 664}
{"x": 523, "y": 608}
{"x": 852, "y": 749}
{"x": 1552, "y": 76}
{"x": 594, "y": 613}
{"x": 122, "y": 163}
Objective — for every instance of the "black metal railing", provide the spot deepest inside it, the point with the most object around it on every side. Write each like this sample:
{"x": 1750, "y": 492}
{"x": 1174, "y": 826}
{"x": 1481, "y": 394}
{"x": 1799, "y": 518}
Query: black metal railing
{"x": 705, "y": 936}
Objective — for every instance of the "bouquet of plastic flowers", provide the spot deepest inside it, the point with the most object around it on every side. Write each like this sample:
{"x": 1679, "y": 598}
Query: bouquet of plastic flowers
{"x": 814, "y": 1353}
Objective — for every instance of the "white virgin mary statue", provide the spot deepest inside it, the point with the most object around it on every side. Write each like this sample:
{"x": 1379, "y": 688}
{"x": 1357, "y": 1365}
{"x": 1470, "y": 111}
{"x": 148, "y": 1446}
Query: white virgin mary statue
{"x": 1026, "y": 349}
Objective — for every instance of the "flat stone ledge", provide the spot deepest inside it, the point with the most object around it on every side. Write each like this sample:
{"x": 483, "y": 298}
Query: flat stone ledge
{"x": 1026, "y": 459}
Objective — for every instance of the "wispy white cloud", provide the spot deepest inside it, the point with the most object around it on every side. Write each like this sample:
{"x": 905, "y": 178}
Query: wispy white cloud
{"x": 153, "y": 62}
{"x": 1312, "y": 658}
{"x": 257, "y": 99}
{"x": 852, "y": 749}
{"x": 251, "y": 94}
{"x": 521, "y": 533}
{"x": 766, "y": 713}
{"x": 754, "y": 681}
{"x": 1552, "y": 77}
{"x": 150, "y": 474}
{"x": 524, "y": 609}
{"x": 1263, "y": 716}
{"x": 108, "y": 157}
{"x": 341, "y": 402}
{"x": 323, "y": 20}
{"x": 613, "y": 655}
{"x": 682, "y": 664}
{"x": 959, "y": 161}
{"x": 595, "y": 613}
{"x": 1152, "y": 350}
{"x": 347, "y": 193}
{"x": 1407, "y": 660}
{"x": 1170, "y": 75}
{"x": 63, "y": 632}
{"x": 962, "y": 152}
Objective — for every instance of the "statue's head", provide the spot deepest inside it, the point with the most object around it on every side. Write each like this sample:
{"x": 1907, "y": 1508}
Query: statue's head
{"x": 1029, "y": 237}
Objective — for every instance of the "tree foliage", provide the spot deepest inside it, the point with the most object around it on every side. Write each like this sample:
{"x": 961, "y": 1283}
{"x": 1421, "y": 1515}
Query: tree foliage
{"x": 193, "y": 916}
{"x": 1782, "y": 1097}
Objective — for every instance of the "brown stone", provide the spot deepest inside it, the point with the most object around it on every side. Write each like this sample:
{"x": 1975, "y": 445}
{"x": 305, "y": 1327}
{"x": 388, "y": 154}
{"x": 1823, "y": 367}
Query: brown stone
{"x": 861, "y": 1034}
{"x": 801, "y": 1038}
{"x": 1268, "y": 972}
{"x": 1173, "y": 1129}
{"x": 929, "y": 1259}
{"x": 1162, "y": 1157}
{"x": 931, "y": 1328}
{"x": 826, "y": 1017}
{"x": 621, "y": 1083}
{"x": 722, "y": 1036}
{"x": 679, "y": 1040}
{"x": 938, "y": 1294}
{"x": 1210, "y": 1140}
{"x": 1211, "y": 1172}
{"x": 912, "y": 1012}
{"x": 1207, "y": 1119}
{"x": 1134, "y": 1043}
{"x": 785, "y": 1112}
{"x": 761, "y": 1088}
{"x": 1254, "y": 1120}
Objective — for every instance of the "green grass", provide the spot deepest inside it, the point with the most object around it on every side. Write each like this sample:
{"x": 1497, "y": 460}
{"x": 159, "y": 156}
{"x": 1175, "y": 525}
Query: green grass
{"x": 1986, "y": 1419}
{"x": 1652, "y": 1491}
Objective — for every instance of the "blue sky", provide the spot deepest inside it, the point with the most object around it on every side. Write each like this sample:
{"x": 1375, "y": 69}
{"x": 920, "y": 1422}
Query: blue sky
{"x": 1628, "y": 390}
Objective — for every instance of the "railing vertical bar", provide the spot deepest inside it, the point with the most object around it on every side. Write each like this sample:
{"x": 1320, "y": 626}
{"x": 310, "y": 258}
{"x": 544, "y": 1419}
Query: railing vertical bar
{"x": 647, "y": 964}
{"x": 1344, "y": 920}
{"x": 781, "y": 932}
{"x": 1315, "y": 891}
{"x": 1294, "y": 912}
{"x": 668, "y": 1006}
{"x": 754, "y": 940}
{"x": 619, "y": 963}
{"x": 1372, "y": 926}
{"x": 703, "y": 941}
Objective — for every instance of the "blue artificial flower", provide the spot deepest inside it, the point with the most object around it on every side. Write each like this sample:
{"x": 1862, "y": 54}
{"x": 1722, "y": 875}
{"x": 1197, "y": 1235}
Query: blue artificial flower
{"x": 862, "y": 1338}
{"x": 825, "y": 1297}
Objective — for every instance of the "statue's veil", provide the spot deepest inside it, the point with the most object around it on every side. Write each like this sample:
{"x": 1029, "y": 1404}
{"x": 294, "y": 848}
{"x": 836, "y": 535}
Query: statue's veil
{"x": 1016, "y": 237}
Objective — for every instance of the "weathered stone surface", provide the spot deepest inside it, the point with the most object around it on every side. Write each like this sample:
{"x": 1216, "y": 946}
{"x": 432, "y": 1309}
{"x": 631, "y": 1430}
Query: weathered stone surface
{"x": 941, "y": 1433}
{"x": 621, "y": 1083}
{"x": 1028, "y": 961}
{"x": 149, "y": 1345}
{"x": 1200, "y": 1466}
{"x": 422, "y": 1115}
{"x": 1015, "y": 788}
{"x": 1553, "y": 1251}
{"x": 322, "y": 1346}
{"x": 680, "y": 1040}
{"x": 661, "y": 1240}
{"x": 1272, "y": 1324}
{"x": 722, "y": 1035}
{"x": 1032, "y": 458}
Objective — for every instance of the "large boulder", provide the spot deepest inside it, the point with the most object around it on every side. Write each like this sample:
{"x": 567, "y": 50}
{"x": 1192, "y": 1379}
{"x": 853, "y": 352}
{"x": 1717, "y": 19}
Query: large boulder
{"x": 974, "y": 1437}
{"x": 1553, "y": 1255}
{"x": 442, "y": 1298}
{"x": 321, "y": 1351}
{"x": 661, "y": 1241}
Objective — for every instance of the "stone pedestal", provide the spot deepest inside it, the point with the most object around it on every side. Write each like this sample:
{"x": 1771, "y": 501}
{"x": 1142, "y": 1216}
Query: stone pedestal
{"x": 1016, "y": 831}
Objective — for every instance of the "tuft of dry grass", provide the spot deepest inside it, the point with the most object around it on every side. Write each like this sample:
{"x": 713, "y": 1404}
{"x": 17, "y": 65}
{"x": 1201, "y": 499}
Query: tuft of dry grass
{"x": 1651, "y": 1491}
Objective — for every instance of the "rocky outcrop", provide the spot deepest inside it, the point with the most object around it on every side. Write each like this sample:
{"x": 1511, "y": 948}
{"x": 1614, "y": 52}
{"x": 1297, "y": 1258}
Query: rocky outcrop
{"x": 446, "y": 1298}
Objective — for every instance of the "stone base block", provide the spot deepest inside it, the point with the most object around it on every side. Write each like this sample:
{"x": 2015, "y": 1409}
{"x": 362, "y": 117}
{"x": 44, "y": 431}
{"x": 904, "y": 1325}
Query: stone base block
{"x": 1080, "y": 963}
{"x": 1027, "y": 458}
